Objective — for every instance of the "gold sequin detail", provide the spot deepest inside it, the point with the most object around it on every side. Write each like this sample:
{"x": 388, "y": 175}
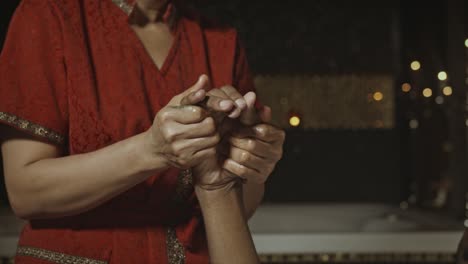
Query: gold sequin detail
{"x": 184, "y": 187}
{"x": 175, "y": 250}
{"x": 31, "y": 127}
{"x": 55, "y": 257}
{"x": 124, "y": 5}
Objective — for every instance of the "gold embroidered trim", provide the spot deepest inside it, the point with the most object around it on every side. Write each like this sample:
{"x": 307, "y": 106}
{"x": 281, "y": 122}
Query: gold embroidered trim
{"x": 175, "y": 250}
{"x": 124, "y": 5}
{"x": 31, "y": 127}
{"x": 55, "y": 257}
{"x": 184, "y": 187}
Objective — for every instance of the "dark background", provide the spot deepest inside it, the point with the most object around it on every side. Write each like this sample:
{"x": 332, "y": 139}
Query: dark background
{"x": 6, "y": 11}
{"x": 333, "y": 37}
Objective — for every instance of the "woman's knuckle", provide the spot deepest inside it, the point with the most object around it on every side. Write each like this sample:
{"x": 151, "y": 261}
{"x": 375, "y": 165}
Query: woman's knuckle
{"x": 244, "y": 156}
{"x": 184, "y": 161}
{"x": 210, "y": 130}
{"x": 282, "y": 135}
{"x": 178, "y": 151}
{"x": 243, "y": 171}
{"x": 261, "y": 179}
{"x": 210, "y": 125}
{"x": 197, "y": 112}
{"x": 216, "y": 138}
{"x": 165, "y": 132}
{"x": 251, "y": 144}
{"x": 164, "y": 115}
{"x": 211, "y": 151}
{"x": 171, "y": 135}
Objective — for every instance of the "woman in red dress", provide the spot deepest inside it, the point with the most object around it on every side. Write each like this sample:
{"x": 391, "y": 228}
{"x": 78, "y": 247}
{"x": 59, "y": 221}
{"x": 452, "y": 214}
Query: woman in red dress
{"x": 108, "y": 150}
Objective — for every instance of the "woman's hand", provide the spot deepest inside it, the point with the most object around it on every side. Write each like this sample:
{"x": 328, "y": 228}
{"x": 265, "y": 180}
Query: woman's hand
{"x": 183, "y": 134}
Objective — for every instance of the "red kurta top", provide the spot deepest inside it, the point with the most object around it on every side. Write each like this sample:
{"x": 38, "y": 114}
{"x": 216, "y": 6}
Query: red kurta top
{"x": 74, "y": 73}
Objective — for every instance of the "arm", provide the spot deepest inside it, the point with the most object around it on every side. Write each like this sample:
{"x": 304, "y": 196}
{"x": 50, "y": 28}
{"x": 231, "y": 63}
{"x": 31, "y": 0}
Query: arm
{"x": 252, "y": 193}
{"x": 229, "y": 239}
{"x": 256, "y": 153}
{"x": 254, "y": 150}
{"x": 253, "y": 155}
{"x": 41, "y": 184}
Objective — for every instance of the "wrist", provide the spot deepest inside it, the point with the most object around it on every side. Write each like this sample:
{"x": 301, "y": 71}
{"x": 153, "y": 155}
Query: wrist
{"x": 209, "y": 198}
{"x": 149, "y": 158}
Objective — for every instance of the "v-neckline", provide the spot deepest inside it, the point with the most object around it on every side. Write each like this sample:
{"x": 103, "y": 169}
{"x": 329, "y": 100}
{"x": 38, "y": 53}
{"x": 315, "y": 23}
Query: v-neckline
{"x": 146, "y": 56}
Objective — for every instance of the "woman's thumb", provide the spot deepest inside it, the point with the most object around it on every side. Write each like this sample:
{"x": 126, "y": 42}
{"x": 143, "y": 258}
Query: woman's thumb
{"x": 202, "y": 83}
{"x": 193, "y": 94}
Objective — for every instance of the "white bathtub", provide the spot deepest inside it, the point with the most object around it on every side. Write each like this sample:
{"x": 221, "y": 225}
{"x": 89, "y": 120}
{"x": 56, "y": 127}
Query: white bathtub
{"x": 351, "y": 228}
{"x": 324, "y": 228}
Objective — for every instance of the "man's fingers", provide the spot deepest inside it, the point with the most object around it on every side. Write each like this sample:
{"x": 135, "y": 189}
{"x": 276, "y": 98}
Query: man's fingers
{"x": 269, "y": 133}
{"x": 250, "y": 98}
{"x": 250, "y": 116}
{"x": 263, "y": 132}
{"x": 243, "y": 171}
{"x": 256, "y": 147}
{"x": 247, "y": 159}
{"x": 219, "y": 101}
{"x": 238, "y": 99}
{"x": 234, "y": 94}
{"x": 265, "y": 114}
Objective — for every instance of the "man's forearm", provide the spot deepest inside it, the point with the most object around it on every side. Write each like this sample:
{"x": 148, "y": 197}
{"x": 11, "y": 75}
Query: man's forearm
{"x": 253, "y": 196}
{"x": 228, "y": 235}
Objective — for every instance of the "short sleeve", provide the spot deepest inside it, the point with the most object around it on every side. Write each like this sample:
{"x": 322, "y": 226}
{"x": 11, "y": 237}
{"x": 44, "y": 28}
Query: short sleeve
{"x": 33, "y": 84}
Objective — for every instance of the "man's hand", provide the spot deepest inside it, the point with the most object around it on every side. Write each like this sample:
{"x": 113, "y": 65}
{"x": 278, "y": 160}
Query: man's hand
{"x": 255, "y": 150}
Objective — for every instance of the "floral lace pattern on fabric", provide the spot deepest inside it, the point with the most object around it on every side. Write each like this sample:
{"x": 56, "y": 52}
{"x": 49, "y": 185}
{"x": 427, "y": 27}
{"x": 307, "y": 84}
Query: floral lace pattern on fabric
{"x": 55, "y": 257}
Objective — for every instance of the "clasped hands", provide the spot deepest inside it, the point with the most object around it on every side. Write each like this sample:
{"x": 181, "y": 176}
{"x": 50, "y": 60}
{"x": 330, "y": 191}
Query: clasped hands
{"x": 219, "y": 134}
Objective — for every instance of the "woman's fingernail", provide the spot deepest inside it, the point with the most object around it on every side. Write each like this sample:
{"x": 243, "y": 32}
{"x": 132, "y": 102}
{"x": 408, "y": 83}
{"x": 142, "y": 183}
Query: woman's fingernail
{"x": 259, "y": 129}
{"x": 241, "y": 103}
{"x": 225, "y": 104}
{"x": 235, "y": 113}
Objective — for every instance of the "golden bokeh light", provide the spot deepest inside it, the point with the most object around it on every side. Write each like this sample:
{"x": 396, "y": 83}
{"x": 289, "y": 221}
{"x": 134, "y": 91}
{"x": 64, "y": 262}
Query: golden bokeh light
{"x": 427, "y": 92}
{"x": 406, "y": 87}
{"x": 415, "y": 65}
{"x": 413, "y": 124}
{"x": 442, "y": 76}
{"x": 447, "y": 90}
{"x": 378, "y": 96}
{"x": 294, "y": 121}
